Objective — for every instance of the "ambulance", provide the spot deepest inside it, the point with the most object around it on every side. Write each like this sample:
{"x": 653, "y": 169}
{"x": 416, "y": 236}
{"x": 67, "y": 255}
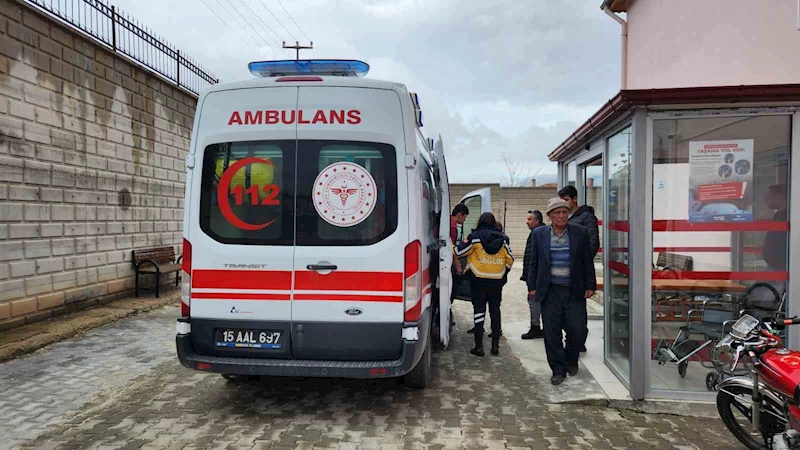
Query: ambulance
{"x": 316, "y": 228}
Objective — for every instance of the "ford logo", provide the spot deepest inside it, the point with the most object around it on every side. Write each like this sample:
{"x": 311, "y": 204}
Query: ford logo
{"x": 352, "y": 311}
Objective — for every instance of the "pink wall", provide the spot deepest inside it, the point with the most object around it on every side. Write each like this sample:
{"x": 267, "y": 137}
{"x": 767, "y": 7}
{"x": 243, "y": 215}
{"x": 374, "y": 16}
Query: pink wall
{"x": 688, "y": 43}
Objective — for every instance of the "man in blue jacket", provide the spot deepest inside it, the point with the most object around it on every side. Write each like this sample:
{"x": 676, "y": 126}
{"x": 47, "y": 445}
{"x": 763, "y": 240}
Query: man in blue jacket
{"x": 561, "y": 277}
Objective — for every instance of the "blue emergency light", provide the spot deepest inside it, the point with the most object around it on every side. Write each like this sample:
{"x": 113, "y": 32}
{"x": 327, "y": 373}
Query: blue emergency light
{"x": 415, "y": 100}
{"x": 320, "y": 67}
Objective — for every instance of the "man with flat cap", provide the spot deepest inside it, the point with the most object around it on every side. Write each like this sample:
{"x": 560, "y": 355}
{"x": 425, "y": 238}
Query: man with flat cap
{"x": 561, "y": 277}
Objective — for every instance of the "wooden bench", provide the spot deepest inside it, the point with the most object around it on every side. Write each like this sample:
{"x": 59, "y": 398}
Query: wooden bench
{"x": 675, "y": 263}
{"x": 156, "y": 261}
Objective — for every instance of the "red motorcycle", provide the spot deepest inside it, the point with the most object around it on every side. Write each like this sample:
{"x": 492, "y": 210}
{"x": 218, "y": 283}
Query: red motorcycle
{"x": 768, "y": 402}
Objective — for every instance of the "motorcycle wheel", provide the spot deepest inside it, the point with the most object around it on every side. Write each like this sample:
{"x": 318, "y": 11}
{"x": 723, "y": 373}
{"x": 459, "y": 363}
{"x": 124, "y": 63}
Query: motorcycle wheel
{"x": 727, "y": 404}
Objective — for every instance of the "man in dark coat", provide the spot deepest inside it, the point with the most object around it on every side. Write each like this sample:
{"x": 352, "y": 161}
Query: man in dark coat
{"x": 583, "y": 215}
{"x": 561, "y": 277}
{"x": 534, "y": 220}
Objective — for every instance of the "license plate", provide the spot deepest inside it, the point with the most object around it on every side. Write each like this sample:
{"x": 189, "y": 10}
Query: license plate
{"x": 261, "y": 339}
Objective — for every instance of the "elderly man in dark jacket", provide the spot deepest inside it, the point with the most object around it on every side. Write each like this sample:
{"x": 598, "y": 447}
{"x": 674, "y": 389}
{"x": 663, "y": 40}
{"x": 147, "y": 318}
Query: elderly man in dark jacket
{"x": 561, "y": 277}
{"x": 582, "y": 215}
{"x": 533, "y": 220}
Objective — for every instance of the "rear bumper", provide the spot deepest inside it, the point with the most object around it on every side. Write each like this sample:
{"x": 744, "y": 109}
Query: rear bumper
{"x": 410, "y": 356}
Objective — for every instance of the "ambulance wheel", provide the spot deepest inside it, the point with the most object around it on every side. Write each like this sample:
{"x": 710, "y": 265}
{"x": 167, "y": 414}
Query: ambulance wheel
{"x": 420, "y": 375}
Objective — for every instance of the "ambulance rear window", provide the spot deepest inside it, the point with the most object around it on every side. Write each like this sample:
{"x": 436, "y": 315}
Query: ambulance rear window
{"x": 328, "y": 219}
{"x": 268, "y": 193}
{"x": 256, "y": 181}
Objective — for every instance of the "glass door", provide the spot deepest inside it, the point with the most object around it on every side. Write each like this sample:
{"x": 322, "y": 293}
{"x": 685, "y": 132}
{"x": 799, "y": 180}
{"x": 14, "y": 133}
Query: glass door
{"x": 592, "y": 196}
{"x": 616, "y": 286}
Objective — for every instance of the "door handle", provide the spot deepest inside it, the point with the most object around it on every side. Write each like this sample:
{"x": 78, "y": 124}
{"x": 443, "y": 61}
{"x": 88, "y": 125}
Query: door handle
{"x": 321, "y": 267}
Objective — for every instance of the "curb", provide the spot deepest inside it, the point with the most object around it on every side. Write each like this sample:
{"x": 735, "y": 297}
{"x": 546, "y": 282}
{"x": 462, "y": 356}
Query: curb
{"x": 30, "y": 338}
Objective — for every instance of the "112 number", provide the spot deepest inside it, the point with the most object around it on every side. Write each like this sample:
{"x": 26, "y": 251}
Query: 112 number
{"x": 272, "y": 191}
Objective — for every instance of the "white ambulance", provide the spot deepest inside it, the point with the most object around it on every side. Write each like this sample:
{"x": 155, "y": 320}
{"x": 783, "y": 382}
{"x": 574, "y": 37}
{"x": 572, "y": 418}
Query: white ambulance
{"x": 316, "y": 229}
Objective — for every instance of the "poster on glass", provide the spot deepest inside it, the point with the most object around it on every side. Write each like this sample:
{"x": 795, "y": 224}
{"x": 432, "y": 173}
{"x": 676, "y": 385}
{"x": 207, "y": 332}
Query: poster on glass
{"x": 720, "y": 181}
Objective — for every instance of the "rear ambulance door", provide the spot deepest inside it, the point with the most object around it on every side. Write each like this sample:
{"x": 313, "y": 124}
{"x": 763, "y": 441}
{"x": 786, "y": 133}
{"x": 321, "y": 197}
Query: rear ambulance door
{"x": 478, "y": 202}
{"x": 241, "y": 225}
{"x": 351, "y": 198}
{"x": 446, "y": 247}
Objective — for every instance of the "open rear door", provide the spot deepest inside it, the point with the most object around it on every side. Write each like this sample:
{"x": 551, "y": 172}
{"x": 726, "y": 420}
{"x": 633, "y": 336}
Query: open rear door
{"x": 478, "y": 202}
{"x": 445, "y": 247}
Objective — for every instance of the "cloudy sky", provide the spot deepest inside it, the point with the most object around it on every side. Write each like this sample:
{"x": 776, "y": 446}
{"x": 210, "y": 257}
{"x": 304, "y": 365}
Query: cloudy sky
{"x": 504, "y": 77}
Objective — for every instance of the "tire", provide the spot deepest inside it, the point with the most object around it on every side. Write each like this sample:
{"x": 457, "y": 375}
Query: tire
{"x": 682, "y": 368}
{"x": 420, "y": 375}
{"x": 725, "y": 402}
{"x": 712, "y": 380}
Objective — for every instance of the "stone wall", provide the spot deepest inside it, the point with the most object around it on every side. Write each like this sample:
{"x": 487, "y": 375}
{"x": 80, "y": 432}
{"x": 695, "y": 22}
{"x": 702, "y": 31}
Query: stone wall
{"x": 92, "y": 155}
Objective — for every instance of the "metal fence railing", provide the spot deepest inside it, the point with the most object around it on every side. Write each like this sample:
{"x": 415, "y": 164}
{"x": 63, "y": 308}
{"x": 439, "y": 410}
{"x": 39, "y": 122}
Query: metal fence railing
{"x": 127, "y": 36}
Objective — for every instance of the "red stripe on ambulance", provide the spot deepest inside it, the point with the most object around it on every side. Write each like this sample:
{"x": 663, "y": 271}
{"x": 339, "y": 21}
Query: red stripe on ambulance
{"x": 350, "y": 298}
{"x": 304, "y": 280}
{"x": 242, "y": 279}
{"x": 349, "y": 281}
{"x": 239, "y": 296}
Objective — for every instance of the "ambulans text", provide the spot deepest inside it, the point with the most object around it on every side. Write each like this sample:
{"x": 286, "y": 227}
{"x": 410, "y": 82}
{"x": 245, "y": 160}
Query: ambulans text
{"x": 272, "y": 117}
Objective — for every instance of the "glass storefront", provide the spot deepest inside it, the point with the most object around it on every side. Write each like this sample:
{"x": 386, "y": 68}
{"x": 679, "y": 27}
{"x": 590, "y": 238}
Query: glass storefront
{"x": 617, "y": 289}
{"x": 719, "y": 229}
{"x": 704, "y": 197}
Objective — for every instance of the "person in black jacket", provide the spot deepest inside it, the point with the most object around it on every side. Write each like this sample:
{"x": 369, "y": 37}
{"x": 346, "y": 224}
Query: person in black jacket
{"x": 583, "y": 215}
{"x": 489, "y": 259}
{"x": 534, "y": 220}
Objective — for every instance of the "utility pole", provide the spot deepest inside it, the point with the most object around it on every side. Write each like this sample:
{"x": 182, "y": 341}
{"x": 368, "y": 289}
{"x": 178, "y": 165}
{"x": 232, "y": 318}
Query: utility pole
{"x": 297, "y": 47}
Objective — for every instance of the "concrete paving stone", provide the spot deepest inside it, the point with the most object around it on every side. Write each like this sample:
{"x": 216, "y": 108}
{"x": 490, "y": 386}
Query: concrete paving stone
{"x": 109, "y": 390}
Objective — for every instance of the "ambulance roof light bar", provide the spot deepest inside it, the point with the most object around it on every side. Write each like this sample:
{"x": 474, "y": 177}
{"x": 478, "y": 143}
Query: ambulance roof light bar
{"x": 319, "y": 67}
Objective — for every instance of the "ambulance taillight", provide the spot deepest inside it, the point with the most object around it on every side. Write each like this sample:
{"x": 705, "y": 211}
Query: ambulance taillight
{"x": 413, "y": 281}
{"x": 186, "y": 279}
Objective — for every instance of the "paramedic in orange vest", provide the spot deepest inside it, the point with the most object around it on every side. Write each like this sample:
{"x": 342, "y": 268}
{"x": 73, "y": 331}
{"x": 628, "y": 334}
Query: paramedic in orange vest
{"x": 489, "y": 259}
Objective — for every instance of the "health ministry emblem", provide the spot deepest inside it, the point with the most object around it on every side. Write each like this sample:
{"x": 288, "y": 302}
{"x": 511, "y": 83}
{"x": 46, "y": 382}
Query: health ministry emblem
{"x": 345, "y": 194}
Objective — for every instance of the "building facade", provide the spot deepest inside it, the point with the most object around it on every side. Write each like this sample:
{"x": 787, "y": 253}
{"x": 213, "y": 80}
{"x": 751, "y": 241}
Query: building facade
{"x": 695, "y": 154}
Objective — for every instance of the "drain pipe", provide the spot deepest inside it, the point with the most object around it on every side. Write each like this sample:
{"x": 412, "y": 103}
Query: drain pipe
{"x": 624, "y": 39}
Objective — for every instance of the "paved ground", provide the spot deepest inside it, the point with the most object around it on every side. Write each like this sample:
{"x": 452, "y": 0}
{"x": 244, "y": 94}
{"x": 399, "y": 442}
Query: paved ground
{"x": 36, "y": 391}
{"x": 123, "y": 388}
